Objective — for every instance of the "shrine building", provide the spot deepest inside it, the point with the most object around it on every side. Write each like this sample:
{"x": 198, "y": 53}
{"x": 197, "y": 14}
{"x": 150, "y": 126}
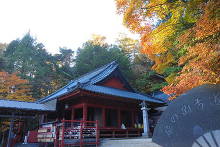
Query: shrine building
{"x": 99, "y": 104}
{"x": 103, "y": 95}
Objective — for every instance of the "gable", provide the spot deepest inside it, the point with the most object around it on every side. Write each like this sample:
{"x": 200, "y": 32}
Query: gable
{"x": 114, "y": 82}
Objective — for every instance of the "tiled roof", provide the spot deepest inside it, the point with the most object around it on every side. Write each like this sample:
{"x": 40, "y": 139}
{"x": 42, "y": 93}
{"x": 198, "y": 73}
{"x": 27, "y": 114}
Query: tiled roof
{"x": 120, "y": 93}
{"x": 161, "y": 96}
{"x": 20, "y": 105}
{"x": 88, "y": 81}
{"x": 89, "y": 78}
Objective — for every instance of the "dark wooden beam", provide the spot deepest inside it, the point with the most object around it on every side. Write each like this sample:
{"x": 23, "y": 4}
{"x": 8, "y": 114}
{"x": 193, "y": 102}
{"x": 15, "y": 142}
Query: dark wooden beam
{"x": 103, "y": 117}
{"x": 110, "y": 97}
{"x": 16, "y": 116}
{"x": 107, "y": 107}
{"x": 77, "y": 106}
{"x": 69, "y": 95}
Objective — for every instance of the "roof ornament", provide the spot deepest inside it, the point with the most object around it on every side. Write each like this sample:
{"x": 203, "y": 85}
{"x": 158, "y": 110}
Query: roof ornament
{"x": 79, "y": 85}
{"x": 143, "y": 104}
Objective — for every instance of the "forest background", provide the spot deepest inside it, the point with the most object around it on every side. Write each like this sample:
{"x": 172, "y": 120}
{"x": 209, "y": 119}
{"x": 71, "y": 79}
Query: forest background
{"x": 179, "y": 49}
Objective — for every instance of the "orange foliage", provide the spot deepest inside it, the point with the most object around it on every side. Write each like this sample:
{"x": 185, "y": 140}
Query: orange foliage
{"x": 14, "y": 88}
{"x": 202, "y": 68}
{"x": 202, "y": 62}
{"x": 209, "y": 24}
{"x": 189, "y": 36}
{"x": 196, "y": 49}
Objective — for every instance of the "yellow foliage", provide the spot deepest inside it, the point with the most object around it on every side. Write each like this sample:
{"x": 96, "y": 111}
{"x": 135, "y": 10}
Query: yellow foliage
{"x": 171, "y": 78}
{"x": 162, "y": 61}
{"x": 202, "y": 62}
{"x": 98, "y": 40}
{"x": 200, "y": 42}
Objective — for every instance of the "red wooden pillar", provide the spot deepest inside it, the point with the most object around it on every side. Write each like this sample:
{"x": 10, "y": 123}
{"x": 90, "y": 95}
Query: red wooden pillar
{"x": 119, "y": 118}
{"x": 132, "y": 119}
{"x": 103, "y": 118}
{"x": 72, "y": 114}
{"x": 85, "y": 111}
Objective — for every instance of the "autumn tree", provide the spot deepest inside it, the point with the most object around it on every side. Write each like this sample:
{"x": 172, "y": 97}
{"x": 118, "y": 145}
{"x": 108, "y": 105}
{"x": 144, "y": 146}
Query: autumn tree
{"x": 130, "y": 46}
{"x": 144, "y": 79}
{"x": 201, "y": 64}
{"x": 12, "y": 87}
{"x": 98, "y": 40}
{"x": 162, "y": 23}
{"x": 159, "y": 23}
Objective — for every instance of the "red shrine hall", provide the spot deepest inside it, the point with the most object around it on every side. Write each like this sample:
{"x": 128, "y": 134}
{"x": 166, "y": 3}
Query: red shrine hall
{"x": 105, "y": 96}
{"x": 99, "y": 104}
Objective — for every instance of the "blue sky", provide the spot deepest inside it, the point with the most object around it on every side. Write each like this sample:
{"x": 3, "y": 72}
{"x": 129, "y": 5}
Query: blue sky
{"x": 59, "y": 23}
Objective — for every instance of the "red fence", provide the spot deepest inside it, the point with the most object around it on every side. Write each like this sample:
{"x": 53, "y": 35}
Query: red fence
{"x": 32, "y": 137}
{"x": 77, "y": 133}
{"x": 69, "y": 133}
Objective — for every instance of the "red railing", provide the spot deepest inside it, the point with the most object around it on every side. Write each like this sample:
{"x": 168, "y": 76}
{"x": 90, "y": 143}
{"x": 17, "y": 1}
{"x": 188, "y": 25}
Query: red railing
{"x": 77, "y": 133}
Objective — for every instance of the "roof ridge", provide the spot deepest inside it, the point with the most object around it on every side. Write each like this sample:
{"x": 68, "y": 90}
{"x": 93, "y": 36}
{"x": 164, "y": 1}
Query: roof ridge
{"x": 77, "y": 79}
{"x": 97, "y": 80}
{"x": 106, "y": 65}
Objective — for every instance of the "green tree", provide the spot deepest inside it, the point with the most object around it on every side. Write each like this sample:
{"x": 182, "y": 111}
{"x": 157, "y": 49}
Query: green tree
{"x": 30, "y": 59}
{"x": 131, "y": 47}
{"x": 45, "y": 72}
{"x": 92, "y": 56}
{"x": 64, "y": 62}
{"x": 2, "y": 58}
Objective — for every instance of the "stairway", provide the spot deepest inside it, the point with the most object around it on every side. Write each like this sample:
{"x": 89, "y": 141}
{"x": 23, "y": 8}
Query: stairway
{"x": 27, "y": 145}
{"x": 136, "y": 142}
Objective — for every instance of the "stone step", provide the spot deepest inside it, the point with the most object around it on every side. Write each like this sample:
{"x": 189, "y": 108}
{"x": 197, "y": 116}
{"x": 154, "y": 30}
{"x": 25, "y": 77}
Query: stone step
{"x": 27, "y": 145}
{"x": 140, "y": 142}
{"x": 133, "y": 142}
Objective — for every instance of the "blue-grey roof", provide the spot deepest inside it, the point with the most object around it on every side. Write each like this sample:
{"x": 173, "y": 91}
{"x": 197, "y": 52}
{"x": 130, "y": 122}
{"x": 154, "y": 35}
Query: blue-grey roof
{"x": 11, "y": 104}
{"x": 89, "y": 78}
{"x": 161, "y": 96}
{"x": 88, "y": 81}
{"x": 120, "y": 93}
